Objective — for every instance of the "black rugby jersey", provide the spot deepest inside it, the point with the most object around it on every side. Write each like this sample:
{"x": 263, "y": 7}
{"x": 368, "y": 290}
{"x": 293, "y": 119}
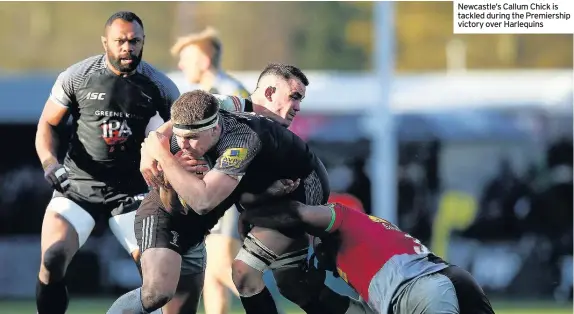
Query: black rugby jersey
{"x": 259, "y": 151}
{"x": 110, "y": 114}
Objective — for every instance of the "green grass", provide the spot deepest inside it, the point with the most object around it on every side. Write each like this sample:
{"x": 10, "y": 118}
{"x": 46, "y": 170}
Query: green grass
{"x": 100, "y": 306}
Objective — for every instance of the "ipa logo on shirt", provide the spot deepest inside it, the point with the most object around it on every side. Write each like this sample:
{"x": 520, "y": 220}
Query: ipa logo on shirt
{"x": 115, "y": 132}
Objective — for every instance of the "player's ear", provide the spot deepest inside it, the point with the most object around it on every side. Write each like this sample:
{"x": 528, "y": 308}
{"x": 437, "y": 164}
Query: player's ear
{"x": 269, "y": 91}
{"x": 104, "y": 43}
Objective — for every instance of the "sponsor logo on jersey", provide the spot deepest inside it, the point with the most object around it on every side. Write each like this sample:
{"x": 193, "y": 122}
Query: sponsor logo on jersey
{"x": 115, "y": 132}
{"x": 384, "y": 222}
{"x": 117, "y": 114}
{"x": 95, "y": 96}
{"x": 233, "y": 157}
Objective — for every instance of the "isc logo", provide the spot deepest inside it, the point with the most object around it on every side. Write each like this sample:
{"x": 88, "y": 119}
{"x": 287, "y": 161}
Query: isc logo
{"x": 93, "y": 96}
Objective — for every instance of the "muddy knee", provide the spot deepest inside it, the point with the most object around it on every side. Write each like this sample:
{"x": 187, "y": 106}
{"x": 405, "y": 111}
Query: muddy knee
{"x": 154, "y": 298}
{"x": 55, "y": 261}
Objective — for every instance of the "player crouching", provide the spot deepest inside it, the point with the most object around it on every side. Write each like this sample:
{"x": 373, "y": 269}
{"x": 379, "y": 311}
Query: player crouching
{"x": 392, "y": 271}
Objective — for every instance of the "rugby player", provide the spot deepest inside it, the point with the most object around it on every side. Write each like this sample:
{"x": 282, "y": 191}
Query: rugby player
{"x": 389, "y": 269}
{"x": 200, "y": 61}
{"x": 114, "y": 99}
{"x": 278, "y": 104}
{"x": 234, "y": 142}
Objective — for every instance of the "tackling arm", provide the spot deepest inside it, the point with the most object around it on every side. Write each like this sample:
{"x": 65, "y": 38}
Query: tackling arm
{"x": 166, "y": 129}
{"x": 291, "y": 214}
{"x": 201, "y": 195}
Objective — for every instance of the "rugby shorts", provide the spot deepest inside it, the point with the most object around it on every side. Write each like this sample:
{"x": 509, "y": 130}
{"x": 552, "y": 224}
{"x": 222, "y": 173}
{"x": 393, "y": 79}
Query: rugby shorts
{"x": 85, "y": 202}
{"x": 156, "y": 228}
{"x": 450, "y": 290}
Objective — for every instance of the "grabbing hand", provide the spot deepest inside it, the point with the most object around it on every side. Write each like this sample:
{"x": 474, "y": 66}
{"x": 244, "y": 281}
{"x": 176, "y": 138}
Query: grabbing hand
{"x": 193, "y": 165}
{"x": 283, "y": 187}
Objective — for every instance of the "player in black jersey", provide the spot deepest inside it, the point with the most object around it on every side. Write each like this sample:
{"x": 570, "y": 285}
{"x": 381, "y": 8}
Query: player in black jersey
{"x": 114, "y": 99}
{"x": 200, "y": 55}
{"x": 279, "y": 92}
{"x": 234, "y": 144}
{"x": 245, "y": 150}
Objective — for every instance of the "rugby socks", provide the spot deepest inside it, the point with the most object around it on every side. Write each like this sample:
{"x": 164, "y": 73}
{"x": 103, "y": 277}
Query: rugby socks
{"x": 260, "y": 303}
{"x": 328, "y": 302}
{"x": 51, "y": 298}
{"x": 130, "y": 302}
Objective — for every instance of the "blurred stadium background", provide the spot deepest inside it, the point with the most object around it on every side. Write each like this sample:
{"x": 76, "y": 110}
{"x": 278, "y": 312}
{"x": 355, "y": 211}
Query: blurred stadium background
{"x": 483, "y": 133}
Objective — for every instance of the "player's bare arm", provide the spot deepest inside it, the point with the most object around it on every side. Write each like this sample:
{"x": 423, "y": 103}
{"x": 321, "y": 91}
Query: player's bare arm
{"x": 148, "y": 165}
{"x": 54, "y": 113}
{"x": 166, "y": 129}
{"x": 46, "y": 135}
{"x": 278, "y": 188}
{"x": 167, "y": 194}
{"x": 201, "y": 195}
{"x": 316, "y": 220}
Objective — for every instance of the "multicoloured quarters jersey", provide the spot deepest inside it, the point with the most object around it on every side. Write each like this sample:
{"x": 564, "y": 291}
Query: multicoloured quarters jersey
{"x": 225, "y": 84}
{"x": 371, "y": 245}
{"x": 110, "y": 114}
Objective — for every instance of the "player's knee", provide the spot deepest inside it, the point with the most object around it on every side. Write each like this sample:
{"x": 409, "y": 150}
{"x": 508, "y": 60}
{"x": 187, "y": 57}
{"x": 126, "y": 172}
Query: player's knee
{"x": 154, "y": 297}
{"x": 246, "y": 279}
{"x": 55, "y": 261}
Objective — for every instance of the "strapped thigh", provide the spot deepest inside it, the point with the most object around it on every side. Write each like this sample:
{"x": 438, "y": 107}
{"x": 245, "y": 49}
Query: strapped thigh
{"x": 255, "y": 254}
{"x": 295, "y": 258}
{"x": 122, "y": 221}
{"x": 78, "y": 217}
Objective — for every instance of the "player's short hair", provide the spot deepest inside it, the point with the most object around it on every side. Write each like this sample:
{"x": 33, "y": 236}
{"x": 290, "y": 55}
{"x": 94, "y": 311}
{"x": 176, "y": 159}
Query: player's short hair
{"x": 207, "y": 40}
{"x": 124, "y": 15}
{"x": 193, "y": 106}
{"x": 284, "y": 71}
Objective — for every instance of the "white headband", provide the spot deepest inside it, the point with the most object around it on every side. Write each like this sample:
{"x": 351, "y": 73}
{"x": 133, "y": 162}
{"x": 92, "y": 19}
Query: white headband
{"x": 198, "y": 126}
